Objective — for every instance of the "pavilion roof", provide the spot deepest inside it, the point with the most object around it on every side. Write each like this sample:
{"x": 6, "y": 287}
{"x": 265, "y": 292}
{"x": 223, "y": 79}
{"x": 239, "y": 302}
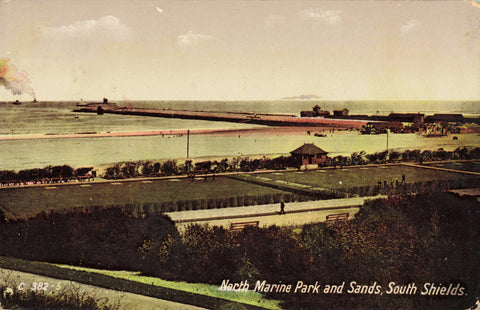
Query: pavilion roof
{"x": 308, "y": 149}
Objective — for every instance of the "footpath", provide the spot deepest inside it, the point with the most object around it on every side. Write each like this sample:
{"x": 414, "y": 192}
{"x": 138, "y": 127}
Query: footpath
{"x": 26, "y": 281}
{"x": 296, "y": 213}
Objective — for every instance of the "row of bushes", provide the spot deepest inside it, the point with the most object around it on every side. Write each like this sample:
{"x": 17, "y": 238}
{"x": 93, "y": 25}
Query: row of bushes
{"x": 123, "y": 170}
{"x": 361, "y": 158}
{"x": 130, "y": 169}
{"x": 236, "y": 201}
{"x": 171, "y": 167}
{"x": 48, "y": 172}
{"x": 142, "y": 209}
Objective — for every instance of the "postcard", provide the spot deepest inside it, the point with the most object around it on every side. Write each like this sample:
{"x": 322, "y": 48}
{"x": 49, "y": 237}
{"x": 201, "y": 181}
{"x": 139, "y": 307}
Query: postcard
{"x": 239, "y": 154}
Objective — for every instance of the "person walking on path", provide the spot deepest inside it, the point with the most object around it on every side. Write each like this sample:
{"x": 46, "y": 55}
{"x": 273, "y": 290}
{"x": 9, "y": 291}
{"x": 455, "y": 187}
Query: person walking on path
{"x": 403, "y": 179}
{"x": 282, "y": 207}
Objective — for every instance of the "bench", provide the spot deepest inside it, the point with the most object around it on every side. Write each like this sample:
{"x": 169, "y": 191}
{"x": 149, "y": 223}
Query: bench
{"x": 242, "y": 225}
{"x": 337, "y": 217}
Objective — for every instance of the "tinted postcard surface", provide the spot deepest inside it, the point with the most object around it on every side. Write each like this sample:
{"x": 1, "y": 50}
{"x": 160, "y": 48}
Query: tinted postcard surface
{"x": 239, "y": 154}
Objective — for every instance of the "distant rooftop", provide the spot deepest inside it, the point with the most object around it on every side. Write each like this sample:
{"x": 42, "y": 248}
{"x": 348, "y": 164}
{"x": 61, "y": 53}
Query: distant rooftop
{"x": 308, "y": 149}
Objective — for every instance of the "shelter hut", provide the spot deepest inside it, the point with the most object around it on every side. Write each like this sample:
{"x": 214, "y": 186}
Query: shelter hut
{"x": 309, "y": 154}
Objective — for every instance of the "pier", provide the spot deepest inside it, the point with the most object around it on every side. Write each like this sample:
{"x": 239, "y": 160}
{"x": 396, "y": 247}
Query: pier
{"x": 236, "y": 117}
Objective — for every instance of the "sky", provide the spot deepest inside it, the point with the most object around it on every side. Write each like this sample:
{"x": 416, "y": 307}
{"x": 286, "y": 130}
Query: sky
{"x": 239, "y": 50}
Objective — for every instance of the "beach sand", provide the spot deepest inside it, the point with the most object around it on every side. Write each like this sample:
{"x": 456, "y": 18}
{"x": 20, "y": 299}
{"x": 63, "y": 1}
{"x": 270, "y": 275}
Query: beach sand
{"x": 173, "y": 132}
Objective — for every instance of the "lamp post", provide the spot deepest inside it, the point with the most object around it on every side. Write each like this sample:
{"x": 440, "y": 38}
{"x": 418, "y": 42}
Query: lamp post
{"x": 386, "y": 156}
{"x": 188, "y": 142}
{"x": 388, "y": 130}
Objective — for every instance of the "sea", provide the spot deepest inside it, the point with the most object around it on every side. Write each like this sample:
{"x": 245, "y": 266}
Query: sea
{"x": 56, "y": 118}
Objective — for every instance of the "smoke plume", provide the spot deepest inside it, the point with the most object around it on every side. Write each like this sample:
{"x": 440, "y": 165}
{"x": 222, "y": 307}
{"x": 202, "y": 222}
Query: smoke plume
{"x": 14, "y": 80}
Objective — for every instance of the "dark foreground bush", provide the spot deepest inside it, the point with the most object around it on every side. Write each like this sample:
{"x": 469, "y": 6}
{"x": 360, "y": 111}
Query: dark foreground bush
{"x": 424, "y": 239}
{"x": 427, "y": 238}
{"x": 96, "y": 237}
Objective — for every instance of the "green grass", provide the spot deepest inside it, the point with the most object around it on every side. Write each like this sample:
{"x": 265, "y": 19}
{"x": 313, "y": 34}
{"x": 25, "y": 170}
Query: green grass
{"x": 463, "y": 166}
{"x": 249, "y": 297}
{"x": 362, "y": 176}
{"x": 28, "y": 201}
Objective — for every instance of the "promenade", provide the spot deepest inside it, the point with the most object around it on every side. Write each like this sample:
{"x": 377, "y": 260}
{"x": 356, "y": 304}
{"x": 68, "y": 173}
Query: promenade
{"x": 297, "y": 213}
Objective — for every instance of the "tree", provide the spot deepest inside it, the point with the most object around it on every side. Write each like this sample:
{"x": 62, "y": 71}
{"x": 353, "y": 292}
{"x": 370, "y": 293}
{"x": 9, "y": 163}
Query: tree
{"x": 169, "y": 167}
{"x": 147, "y": 168}
{"x": 188, "y": 165}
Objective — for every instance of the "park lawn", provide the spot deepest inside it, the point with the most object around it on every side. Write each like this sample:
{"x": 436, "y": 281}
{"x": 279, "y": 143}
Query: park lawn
{"x": 362, "y": 176}
{"x": 28, "y": 201}
{"x": 473, "y": 166}
{"x": 248, "y": 297}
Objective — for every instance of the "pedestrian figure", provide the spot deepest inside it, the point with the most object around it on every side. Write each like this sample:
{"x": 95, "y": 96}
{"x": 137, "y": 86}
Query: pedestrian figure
{"x": 384, "y": 184}
{"x": 403, "y": 179}
{"x": 282, "y": 207}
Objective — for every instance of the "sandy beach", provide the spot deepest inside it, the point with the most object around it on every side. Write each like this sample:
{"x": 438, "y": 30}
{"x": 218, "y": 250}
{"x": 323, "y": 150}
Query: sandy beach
{"x": 173, "y": 132}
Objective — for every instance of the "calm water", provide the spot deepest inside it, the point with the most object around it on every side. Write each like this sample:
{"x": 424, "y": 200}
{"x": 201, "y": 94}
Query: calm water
{"x": 57, "y": 118}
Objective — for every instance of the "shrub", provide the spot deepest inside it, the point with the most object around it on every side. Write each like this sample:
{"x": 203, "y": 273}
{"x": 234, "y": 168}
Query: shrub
{"x": 202, "y": 204}
{"x": 232, "y": 201}
{"x": 181, "y": 205}
{"x": 212, "y": 203}
{"x": 240, "y": 201}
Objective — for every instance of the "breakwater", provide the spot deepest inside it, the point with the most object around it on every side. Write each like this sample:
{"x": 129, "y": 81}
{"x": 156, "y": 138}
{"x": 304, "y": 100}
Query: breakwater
{"x": 237, "y": 117}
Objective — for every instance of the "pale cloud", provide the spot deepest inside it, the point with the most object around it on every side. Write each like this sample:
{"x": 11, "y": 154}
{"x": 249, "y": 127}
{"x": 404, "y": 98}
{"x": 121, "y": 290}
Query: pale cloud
{"x": 159, "y": 10}
{"x": 107, "y": 27}
{"x": 273, "y": 21}
{"x": 409, "y": 27}
{"x": 329, "y": 17}
{"x": 82, "y": 39}
{"x": 192, "y": 39}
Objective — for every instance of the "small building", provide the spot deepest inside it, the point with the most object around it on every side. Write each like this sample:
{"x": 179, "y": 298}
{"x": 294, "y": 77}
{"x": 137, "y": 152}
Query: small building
{"x": 374, "y": 128}
{"x": 308, "y": 114}
{"x": 309, "y": 154}
{"x": 379, "y": 127}
{"x": 317, "y": 109}
{"x": 447, "y": 118}
{"x": 416, "y": 118}
{"x": 343, "y": 112}
{"x": 316, "y": 112}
